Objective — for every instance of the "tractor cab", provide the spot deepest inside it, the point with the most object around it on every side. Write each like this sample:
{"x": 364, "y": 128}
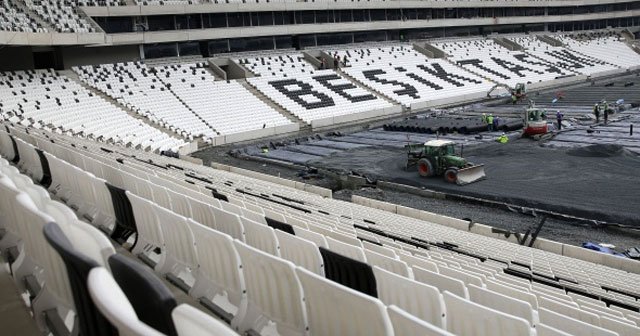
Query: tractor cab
{"x": 439, "y": 148}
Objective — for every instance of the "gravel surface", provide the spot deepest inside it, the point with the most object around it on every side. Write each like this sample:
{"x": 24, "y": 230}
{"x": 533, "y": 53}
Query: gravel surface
{"x": 559, "y": 230}
{"x": 599, "y": 182}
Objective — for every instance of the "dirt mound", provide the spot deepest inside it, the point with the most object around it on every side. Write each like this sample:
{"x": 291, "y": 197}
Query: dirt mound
{"x": 604, "y": 150}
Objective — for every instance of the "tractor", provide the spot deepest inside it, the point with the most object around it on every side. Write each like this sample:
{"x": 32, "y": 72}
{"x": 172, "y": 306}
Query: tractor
{"x": 439, "y": 158}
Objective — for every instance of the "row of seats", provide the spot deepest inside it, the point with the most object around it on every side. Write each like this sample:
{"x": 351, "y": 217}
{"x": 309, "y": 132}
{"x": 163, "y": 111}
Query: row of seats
{"x": 282, "y": 65}
{"x": 45, "y": 99}
{"x": 456, "y": 285}
{"x": 564, "y": 58}
{"x": 68, "y": 267}
{"x": 408, "y": 77}
{"x": 137, "y": 87}
{"x": 225, "y": 105}
{"x": 62, "y": 15}
{"x": 609, "y": 48}
{"x": 493, "y": 61}
{"x": 323, "y": 94}
{"x": 13, "y": 18}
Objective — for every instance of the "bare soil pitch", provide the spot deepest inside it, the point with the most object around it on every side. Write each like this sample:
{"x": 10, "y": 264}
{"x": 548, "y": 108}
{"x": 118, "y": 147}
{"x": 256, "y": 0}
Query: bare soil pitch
{"x": 601, "y": 182}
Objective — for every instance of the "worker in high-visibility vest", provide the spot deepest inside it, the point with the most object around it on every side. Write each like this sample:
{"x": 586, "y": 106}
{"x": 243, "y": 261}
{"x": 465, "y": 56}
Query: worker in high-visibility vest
{"x": 503, "y": 138}
{"x": 490, "y": 122}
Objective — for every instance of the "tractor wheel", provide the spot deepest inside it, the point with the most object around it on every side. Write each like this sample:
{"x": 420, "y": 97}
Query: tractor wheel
{"x": 425, "y": 168}
{"x": 451, "y": 175}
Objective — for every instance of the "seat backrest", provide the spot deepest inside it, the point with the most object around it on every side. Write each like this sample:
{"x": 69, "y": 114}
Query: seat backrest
{"x": 334, "y": 309}
{"x": 570, "y": 325}
{"x": 345, "y": 249}
{"x": 545, "y": 330}
{"x": 466, "y": 318}
{"x": 442, "y": 282}
{"x": 219, "y": 263}
{"x": 501, "y": 302}
{"x": 390, "y": 264}
{"x": 114, "y": 305}
{"x": 229, "y": 223}
{"x": 278, "y": 225}
{"x": 416, "y": 298}
{"x": 147, "y": 222}
{"x": 272, "y": 288}
{"x": 309, "y": 235}
{"x": 622, "y": 328}
{"x": 6, "y": 145}
{"x": 193, "y": 322}
{"x": 203, "y": 213}
{"x": 90, "y": 321}
{"x": 569, "y": 310}
{"x": 260, "y": 236}
{"x": 300, "y": 251}
{"x": 349, "y": 272}
{"x": 421, "y": 262}
{"x": 512, "y": 292}
{"x": 178, "y": 238}
{"x": 150, "y": 298}
{"x": 467, "y": 278}
{"x": 378, "y": 248}
{"x": 407, "y": 324}
{"x": 125, "y": 220}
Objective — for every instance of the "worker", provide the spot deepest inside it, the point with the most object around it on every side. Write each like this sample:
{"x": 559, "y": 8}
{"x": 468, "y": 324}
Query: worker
{"x": 490, "y": 122}
{"x": 344, "y": 60}
{"x": 484, "y": 118}
{"x": 496, "y": 122}
{"x": 596, "y": 111}
{"x": 604, "y": 107}
{"x": 559, "y": 116}
{"x": 502, "y": 138}
{"x": 514, "y": 98}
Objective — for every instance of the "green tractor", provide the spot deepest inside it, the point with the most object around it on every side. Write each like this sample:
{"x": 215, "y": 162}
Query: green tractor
{"x": 439, "y": 158}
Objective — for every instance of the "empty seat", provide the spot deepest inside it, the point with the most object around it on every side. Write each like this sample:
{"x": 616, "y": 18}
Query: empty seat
{"x": 349, "y": 312}
{"x": 301, "y": 252}
{"x": 190, "y": 321}
{"x": 151, "y": 300}
{"x": 416, "y": 298}
{"x": 570, "y": 325}
{"x": 114, "y": 305}
{"x": 78, "y": 265}
{"x": 501, "y": 303}
{"x": 467, "y": 318}
{"x": 442, "y": 282}
{"x": 407, "y": 324}
{"x": 273, "y": 292}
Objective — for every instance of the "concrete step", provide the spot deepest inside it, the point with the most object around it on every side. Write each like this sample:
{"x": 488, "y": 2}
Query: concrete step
{"x": 274, "y": 105}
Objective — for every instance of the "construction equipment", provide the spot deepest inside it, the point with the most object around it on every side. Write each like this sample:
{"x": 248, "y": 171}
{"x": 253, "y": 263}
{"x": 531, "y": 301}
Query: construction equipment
{"x": 438, "y": 158}
{"x": 535, "y": 121}
{"x": 517, "y": 94}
